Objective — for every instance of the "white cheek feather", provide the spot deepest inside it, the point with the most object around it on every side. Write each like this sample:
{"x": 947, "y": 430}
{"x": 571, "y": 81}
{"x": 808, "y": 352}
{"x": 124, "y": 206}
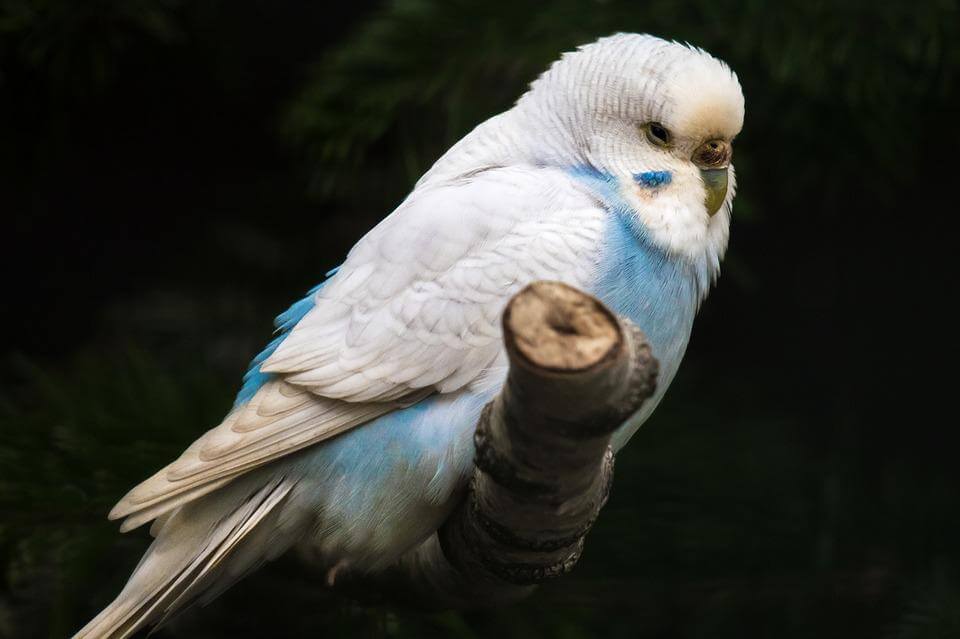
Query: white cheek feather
{"x": 671, "y": 214}
{"x": 675, "y": 218}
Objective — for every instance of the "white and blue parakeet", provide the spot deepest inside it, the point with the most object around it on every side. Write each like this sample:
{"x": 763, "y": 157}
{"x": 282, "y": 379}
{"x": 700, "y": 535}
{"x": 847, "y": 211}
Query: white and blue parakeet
{"x": 352, "y": 435}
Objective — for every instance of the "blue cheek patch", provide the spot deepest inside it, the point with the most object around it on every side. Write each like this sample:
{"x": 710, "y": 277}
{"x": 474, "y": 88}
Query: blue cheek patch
{"x": 652, "y": 179}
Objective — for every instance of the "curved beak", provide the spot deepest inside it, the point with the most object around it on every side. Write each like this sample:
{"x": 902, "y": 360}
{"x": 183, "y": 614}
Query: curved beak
{"x": 715, "y": 181}
{"x": 713, "y": 159}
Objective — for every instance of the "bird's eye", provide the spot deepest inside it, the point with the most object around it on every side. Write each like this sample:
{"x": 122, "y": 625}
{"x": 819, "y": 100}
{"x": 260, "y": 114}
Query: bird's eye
{"x": 658, "y": 134}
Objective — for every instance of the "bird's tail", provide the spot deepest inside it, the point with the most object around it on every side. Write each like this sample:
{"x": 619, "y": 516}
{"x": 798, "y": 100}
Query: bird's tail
{"x": 199, "y": 550}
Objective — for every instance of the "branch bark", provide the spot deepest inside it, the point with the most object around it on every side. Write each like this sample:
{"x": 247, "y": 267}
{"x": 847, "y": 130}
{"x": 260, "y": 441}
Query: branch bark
{"x": 544, "y": 466}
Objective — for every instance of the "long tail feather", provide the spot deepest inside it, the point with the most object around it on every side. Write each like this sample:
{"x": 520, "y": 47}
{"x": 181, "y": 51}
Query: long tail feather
{"x": 195, "y": 551}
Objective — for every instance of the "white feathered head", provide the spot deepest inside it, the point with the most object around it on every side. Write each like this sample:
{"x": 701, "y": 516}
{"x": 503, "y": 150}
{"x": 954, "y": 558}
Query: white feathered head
{"x": 658, "y": 116}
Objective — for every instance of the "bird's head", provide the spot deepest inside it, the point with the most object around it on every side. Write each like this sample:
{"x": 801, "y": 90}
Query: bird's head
{"x": 658, "y": 119}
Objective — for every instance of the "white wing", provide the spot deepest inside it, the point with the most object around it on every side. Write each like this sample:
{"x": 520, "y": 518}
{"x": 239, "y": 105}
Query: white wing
{"x": 414, "y": 309}
{"x": 417, "y": 303}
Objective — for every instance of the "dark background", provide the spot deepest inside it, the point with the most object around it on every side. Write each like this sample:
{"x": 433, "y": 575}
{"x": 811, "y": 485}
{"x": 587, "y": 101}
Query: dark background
{"x": 173, "y": 174}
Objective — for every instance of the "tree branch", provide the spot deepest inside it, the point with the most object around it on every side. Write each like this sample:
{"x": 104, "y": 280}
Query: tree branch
{"x": 543, "y": 462}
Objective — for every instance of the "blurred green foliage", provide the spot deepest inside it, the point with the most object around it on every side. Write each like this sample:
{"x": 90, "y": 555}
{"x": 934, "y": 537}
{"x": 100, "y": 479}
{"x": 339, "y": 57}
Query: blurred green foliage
{"x": 74, "y": 442}
{"x": 79, "y": 45}
{"x": 794, "y": 483}
{"x": 420, "y": 73}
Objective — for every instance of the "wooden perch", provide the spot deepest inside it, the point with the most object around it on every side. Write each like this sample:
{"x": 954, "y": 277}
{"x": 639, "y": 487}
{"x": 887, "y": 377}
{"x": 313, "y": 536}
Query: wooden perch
{"x": 543, "y": 462}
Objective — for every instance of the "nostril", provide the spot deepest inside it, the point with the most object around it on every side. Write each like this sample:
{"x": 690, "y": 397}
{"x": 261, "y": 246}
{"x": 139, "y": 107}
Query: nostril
{"x": 712, "y": 153}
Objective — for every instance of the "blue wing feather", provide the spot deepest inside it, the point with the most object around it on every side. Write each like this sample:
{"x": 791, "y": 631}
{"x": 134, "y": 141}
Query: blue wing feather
{"x": 254, "y": 378}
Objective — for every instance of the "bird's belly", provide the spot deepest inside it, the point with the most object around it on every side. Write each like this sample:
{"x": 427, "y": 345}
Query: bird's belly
{"x": 669, "y": 355}
{"x": 381, "y": 489}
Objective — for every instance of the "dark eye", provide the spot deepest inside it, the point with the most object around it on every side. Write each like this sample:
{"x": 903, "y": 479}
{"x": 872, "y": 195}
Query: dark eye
{"x": 657, "y": 134}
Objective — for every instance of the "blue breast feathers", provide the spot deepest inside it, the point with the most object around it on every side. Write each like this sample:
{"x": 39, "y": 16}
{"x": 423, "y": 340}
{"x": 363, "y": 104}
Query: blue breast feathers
{"x": 254, "y": 378}
{"x": 657, "y": 290}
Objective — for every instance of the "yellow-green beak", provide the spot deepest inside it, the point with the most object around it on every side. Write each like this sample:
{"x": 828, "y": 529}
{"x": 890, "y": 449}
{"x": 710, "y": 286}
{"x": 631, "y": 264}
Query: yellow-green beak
{"x": 715, "y": 181}
{"x": 713, "y": 159}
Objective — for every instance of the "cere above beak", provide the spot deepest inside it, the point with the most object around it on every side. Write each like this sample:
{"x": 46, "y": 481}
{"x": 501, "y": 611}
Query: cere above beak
{"x": 713, "y": 159}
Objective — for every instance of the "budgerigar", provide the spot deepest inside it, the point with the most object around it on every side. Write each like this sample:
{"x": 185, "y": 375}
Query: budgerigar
{"x": 352, "y": 436}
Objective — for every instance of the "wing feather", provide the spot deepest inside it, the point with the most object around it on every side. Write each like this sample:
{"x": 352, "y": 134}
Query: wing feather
{"x": 281, "y": 419}
{"x": 414, "y": 309}
{"x": 433, "y": 280}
